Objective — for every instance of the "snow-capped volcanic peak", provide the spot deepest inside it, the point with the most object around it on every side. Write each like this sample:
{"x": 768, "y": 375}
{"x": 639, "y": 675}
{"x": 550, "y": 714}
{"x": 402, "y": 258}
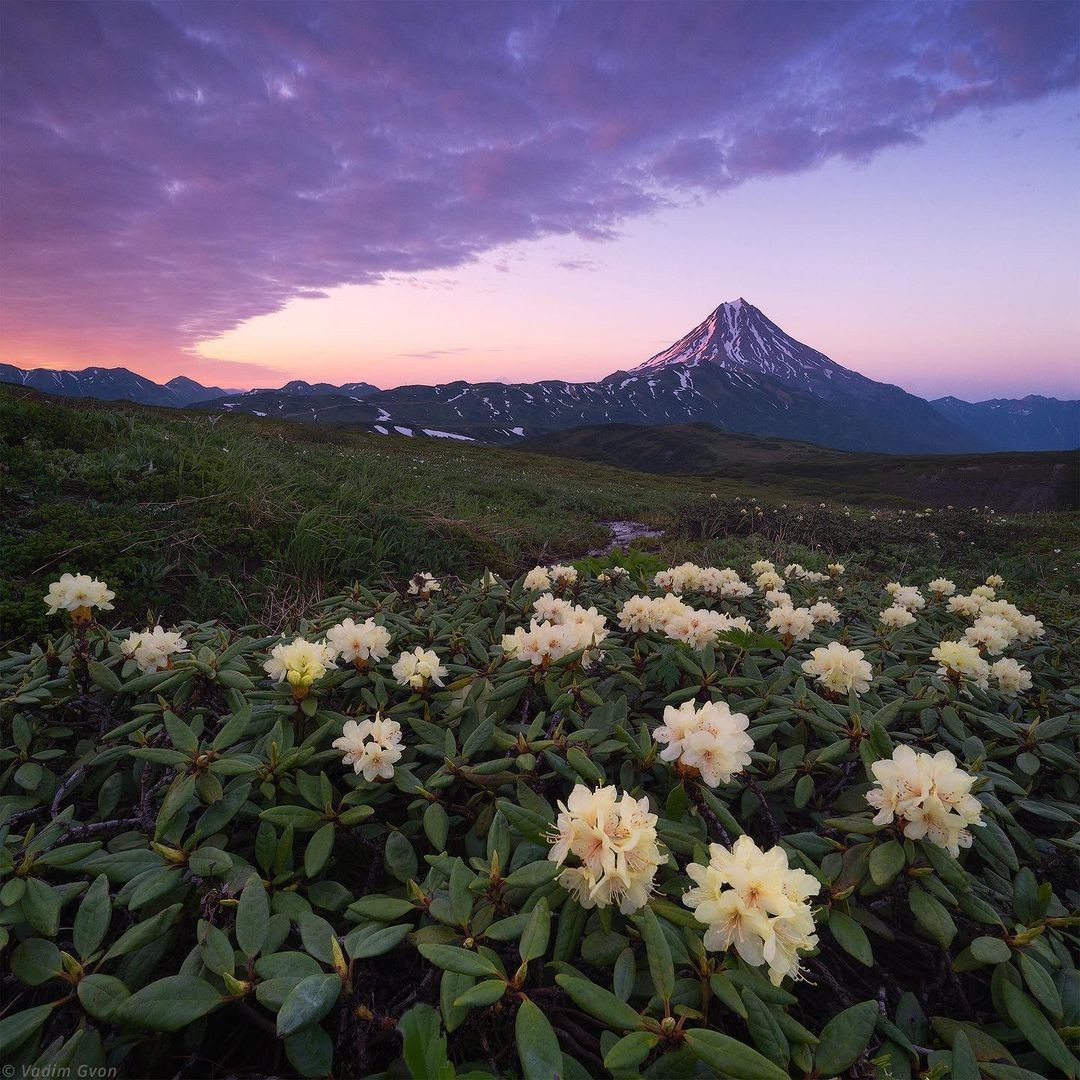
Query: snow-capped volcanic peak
{"x": 737, "y": 336}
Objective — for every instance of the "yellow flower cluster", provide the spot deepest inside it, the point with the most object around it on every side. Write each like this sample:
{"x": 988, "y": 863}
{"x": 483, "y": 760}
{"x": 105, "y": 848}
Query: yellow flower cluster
{"x": 928, "y": 794}
{"x": 371, "y": 747}
{"x": 839, "y": 668}
{"x": 417, "y": 668}
{"x": 711, "y": 739}
{"x": 792, "y": 623}
{"x": 153, "y": 649}
{"x": 79, "y": 594}
{"x": 613, "y": 837}
{"x": 301, "y": 663}
{"x": 689, "y": 577}
{"x": 752, "y": 900}
{"x": 359, "y": 643}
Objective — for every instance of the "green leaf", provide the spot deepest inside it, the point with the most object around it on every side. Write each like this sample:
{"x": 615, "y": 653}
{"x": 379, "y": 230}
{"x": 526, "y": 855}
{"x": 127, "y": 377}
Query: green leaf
{"x": 210, "y": 862}
{"x": 299, "y": 817}
{"x": 932, "y": 916}
{"x": 308, "y": 1002}
{"x": 101, "y": 995}
{"x": 535, "y": 936}
{"x": 367, "y": 941}
{"x": 18, "y": 1027}
{"x": 533, "y": 875}
{"x": 731, "y": 1057}
{"x": 103, "y": 676}
{"x": 765, "y": 1030}
{"x": 851, "y": 937}
{"x": 630, "y": 1051}
{"x": 92, "y": 917}
{"x": 844, "y": 1038}
{"x": 537, "y": 1046}
{"x": 400, "y": 858}
{"x": 483, "y": 993}
{"x": 886, "y": 861}
{"x": 659, "y": 954}
{"x": 436, "y": 825}
{"x": 318, "y": 850}
{"x": 36, "y": 961}
{"x": 142, "y": 933}
{"x": 990, "y": 950}
{"x": 461, "y": 901}
{"x": 601, "y": 1003}
{"x": 965, "y": 1066}
{"x": 424, "y": 1044}
{"x": 252, "y": 915}
{"x": 311, "y": 1051}
{"x": 463, "y": 961}
{"x": 169, "y": 1004}
{"x": 41, "y": 907}
{"x": 381, "y": 908}
{"x": 318, "y": 936}
{"x": 1042, "y": 986}
{"x": 1038, "y": 1030}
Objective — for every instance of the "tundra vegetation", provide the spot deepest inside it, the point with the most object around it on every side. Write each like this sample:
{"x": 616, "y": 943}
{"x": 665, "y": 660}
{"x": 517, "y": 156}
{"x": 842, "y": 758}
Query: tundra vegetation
{"x": 618, "y": 818}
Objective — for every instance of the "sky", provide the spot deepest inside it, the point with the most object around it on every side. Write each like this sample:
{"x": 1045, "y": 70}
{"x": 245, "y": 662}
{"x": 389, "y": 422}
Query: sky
{"x": 249, "y": 193}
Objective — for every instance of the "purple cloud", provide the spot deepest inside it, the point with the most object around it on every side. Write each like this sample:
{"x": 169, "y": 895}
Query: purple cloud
{"x": 172, "y": 169}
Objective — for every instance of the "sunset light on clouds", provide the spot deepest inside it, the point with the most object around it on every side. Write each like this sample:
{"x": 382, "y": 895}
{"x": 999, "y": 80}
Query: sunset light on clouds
{"x": 409, "y": 193}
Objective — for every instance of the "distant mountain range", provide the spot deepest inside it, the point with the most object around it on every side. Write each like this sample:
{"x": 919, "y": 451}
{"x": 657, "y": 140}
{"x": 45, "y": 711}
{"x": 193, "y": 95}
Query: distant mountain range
{"x": 112, "y": 384}
{"x": 737, "y": 370}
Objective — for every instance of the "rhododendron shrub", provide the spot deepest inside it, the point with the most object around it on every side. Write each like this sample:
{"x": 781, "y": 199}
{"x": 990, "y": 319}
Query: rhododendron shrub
{"x": 711, "y": 820}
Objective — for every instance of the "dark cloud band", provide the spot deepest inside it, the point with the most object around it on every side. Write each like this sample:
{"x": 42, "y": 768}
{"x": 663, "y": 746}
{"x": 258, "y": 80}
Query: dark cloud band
{"x": 172, "y": 169}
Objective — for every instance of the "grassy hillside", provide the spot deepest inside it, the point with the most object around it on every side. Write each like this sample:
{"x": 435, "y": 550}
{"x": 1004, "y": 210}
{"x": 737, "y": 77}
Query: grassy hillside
{"x": 255, "y": 520}
{"x": 1005, "y": 481}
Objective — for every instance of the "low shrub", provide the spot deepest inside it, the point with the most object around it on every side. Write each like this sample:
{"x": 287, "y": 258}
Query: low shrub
{"x": 453, "y": 831}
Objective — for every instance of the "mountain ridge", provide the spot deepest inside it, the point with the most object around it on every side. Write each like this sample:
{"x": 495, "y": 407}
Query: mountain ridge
{"x": 736, "y": 370}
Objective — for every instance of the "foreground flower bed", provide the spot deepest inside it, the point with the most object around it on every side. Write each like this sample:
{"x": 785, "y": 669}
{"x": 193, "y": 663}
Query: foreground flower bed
{"x": 742, "y": 822}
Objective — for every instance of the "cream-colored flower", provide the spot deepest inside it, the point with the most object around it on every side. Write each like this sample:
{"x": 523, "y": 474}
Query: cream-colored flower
{"x": 778, "y": 598}
{"x": 754, "y": 901}
{"x": 906, "y": 596}
{"x": 563, "y": 575}
{"x": 762, "y": 566}
{"x": 928, "y": 794}
{"x": 1011, "y": 678}
{"x": 835, "y": 568}
{"x": 967, "y": 606}
{"x": 794, "y": 623}
{"x": 613, "y": 837}
{"x": 364, "y": 642}
{"x": 79, "y": 594}
{"x": 839, "y": 668}
{"x": 942, "y": 587}
{"x": 770, "y": 579}
{"x": 548, "y": 607}
{"x": 711, "y": 739}
{"x": 824, "y": 612}
{"x": 371, "y": 747}
{"x": 987, "y": 592}
{"x": 154, "y": 649}
{"x": 537, "y": 579}
{"x": 958, "y": 658}
{"x": 893, "y": 618}
{"x": 735, "y": 590}
{"x": 300, "y": 662}
{"x": 990, "y": 634}
{"x": 995, "y": 581}
{"x": 419, "y": 667}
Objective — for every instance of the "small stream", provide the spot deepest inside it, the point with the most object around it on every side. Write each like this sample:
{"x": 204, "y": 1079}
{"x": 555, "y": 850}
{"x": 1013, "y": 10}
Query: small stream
{"x": 623, "y": 533}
